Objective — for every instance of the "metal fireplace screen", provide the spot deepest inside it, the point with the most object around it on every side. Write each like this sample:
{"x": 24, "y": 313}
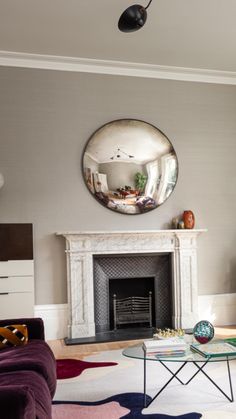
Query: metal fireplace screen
{"x": 132, "y": 310}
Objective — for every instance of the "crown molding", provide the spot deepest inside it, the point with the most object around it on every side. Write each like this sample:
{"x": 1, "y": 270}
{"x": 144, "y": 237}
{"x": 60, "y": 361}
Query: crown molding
{"x": 120, "y": 68}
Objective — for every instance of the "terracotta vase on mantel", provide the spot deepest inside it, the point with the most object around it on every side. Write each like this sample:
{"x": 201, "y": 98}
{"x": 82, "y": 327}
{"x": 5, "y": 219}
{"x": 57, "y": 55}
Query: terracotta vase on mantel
{"x": 188, "y": 219}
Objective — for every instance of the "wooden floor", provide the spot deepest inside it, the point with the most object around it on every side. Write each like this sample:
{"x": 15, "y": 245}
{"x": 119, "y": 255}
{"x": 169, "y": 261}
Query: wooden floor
{"x": 61, "y": 350}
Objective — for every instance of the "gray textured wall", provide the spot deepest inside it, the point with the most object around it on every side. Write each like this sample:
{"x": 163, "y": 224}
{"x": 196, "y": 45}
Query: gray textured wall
{"x": 46, "y": 118}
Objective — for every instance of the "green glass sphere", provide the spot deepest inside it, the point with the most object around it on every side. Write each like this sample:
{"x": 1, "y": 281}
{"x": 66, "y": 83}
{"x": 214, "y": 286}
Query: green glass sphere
{"x": 203, "y": 331}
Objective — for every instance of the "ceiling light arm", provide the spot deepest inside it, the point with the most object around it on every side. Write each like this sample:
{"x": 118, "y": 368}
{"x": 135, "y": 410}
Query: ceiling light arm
{"x": 126, "y": 154}
{"x": 148, "y": 5}
{"x": 117, "y": 154}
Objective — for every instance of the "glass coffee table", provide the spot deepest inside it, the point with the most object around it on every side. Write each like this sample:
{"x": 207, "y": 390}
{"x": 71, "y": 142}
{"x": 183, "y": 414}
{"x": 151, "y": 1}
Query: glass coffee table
{"x": 198, "y": 360}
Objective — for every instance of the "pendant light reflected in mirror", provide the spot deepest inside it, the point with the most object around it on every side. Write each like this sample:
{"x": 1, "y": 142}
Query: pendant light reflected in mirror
{"x": 133, "y": 18}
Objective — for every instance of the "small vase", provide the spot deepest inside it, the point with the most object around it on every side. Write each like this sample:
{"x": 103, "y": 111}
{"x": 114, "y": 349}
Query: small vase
{"x": 188, "y": 219}
{"x": 174, "y": 223}
{"x": 181, "y": 225}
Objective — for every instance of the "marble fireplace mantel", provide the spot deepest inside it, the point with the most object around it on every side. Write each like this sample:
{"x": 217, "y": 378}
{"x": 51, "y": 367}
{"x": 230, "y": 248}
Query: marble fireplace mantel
{"x": 81, "y": 247}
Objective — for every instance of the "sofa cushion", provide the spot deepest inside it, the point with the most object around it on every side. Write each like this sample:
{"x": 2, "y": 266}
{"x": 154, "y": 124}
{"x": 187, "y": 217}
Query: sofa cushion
{"x": 13, "y": 335}
{"x": 34, "y": 325}
{"x": 35, "y": 356}
{"x": 30, "y": 390}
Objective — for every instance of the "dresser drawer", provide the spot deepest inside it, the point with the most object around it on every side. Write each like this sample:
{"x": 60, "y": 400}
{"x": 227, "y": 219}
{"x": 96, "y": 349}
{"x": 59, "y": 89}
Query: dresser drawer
{"x": 17, "y": 284}
{"x": 17, "y": 305}
{"x": 16, "y": 268}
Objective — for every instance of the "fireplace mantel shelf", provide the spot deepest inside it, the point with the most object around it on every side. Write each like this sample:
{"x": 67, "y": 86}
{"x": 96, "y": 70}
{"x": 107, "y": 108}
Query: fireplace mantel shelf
{"x": 82, "y": 246}
{"x": 169, "y": 231}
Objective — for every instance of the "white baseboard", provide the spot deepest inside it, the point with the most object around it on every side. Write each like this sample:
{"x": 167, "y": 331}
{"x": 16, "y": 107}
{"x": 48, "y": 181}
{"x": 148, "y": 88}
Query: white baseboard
{"x": 219, "y": 309}
{"x": 55, "y": 319}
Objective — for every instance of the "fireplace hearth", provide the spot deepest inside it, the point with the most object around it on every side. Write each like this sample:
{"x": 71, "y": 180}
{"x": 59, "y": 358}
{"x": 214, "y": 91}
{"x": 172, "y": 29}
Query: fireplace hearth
{"x": 127, "y": 334}
{"x": 83, "y": 249}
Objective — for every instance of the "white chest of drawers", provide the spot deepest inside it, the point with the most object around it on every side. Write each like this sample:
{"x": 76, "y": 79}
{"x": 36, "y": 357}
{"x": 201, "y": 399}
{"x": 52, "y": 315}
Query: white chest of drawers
{"x": 16, "y": 270}
{"x": 16, "y": 288}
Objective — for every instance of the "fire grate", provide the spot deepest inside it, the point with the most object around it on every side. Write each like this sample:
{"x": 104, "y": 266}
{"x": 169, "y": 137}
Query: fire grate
{"x": 132, "y": 310}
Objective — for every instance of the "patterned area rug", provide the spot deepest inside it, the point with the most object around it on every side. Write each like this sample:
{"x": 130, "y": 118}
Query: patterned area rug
{"x": 69, "y": 368}
{"x": 110, "y": 386}
{"x": 127, "y": 405}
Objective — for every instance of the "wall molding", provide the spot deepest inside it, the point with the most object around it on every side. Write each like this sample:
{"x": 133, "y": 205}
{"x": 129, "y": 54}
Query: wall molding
{"x": 55, "y": 317}
{"x": 219, "y": 309}
{"x": 121, "y": 68}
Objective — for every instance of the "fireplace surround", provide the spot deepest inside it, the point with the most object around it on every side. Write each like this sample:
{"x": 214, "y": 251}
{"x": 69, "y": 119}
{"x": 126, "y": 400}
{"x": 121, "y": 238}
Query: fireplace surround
{"x": 82, "y": 247}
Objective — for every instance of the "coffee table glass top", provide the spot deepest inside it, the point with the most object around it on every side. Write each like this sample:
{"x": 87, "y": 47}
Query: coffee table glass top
{"x": 190, "y": 356}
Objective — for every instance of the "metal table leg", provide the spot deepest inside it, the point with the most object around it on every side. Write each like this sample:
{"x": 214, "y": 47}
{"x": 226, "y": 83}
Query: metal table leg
{"x": 174, "y": 375}
{"x": 144, "y": 378}
{"x": 231, "y": 397}
{"x": 168, "y": 369}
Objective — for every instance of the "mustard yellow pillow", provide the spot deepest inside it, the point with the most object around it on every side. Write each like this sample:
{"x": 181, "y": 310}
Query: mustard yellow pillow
{"x": 13, "y": 335}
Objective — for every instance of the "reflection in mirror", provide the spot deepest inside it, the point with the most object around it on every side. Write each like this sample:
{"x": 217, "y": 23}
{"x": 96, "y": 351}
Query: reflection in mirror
{"x": 130, "y": 166}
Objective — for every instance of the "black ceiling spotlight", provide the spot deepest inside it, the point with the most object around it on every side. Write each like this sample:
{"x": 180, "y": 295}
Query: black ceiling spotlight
{"x": 133, "y": 18}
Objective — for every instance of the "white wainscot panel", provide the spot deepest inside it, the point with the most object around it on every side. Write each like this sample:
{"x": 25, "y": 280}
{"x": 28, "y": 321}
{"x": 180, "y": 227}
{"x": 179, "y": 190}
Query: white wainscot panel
{"x": 219, "y": 309}
{"x": 55, "y": 317}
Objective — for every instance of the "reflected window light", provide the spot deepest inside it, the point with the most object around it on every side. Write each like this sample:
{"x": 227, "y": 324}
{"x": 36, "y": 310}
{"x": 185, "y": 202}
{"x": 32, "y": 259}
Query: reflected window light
{"x": 1, "y": 180}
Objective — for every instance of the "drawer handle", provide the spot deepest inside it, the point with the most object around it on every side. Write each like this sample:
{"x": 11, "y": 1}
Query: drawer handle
{"x": 4, "y": 293}
{"x": 4, "y": 277}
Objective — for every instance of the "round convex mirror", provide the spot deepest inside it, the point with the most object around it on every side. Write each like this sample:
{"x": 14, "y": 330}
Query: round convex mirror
{"x": 130, "y": 166}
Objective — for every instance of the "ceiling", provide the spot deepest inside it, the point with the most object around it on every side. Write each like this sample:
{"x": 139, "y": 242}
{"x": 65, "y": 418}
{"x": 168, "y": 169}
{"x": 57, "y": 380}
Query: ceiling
{"x": 198, "y": 34}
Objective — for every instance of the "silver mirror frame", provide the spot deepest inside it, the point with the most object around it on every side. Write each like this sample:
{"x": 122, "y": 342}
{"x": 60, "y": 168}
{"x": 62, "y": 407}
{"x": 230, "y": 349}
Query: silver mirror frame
{"x": 130, "y": 166}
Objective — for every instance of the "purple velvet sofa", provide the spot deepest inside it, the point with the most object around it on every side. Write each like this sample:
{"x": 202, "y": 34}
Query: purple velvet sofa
{"x": 27, "y": 375}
